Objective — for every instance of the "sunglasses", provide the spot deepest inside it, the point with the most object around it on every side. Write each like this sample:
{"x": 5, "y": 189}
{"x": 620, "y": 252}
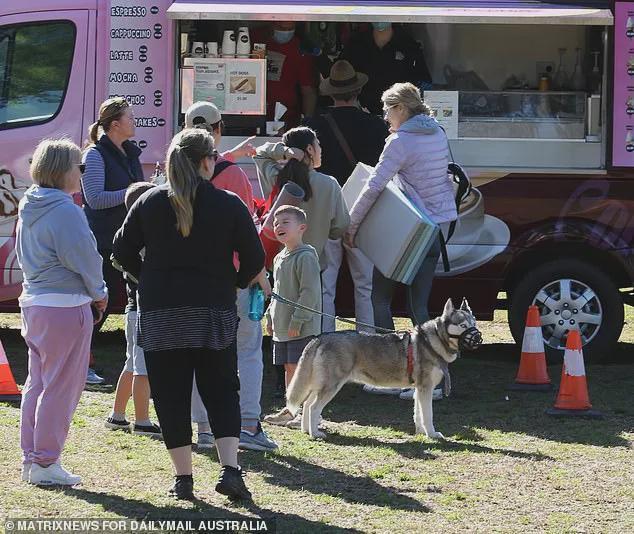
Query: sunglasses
{"x": 82, "y": 167}
{"x": 214, "y": 155}
{"x": 386, "y": 110}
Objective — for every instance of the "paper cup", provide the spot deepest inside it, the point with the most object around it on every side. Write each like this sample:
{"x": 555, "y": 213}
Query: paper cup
{"x": 198, "y": 49}
{"x": 211, "y": 49}
{"x": 229, "y": 44}
{"x": 243, "y": 45}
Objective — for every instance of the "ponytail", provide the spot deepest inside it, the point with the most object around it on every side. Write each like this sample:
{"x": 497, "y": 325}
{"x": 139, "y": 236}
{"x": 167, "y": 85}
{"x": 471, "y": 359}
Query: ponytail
{"x": 298, "y": 171}
{"x": 187, "y": 150}
{"x": 93, "y": 133}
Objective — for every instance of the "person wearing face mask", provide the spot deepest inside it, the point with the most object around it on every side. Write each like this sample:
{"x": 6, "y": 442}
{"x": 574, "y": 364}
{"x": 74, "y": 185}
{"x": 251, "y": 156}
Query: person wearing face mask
{"x": 290, "y": 74}
{"x": 388, "y": 55}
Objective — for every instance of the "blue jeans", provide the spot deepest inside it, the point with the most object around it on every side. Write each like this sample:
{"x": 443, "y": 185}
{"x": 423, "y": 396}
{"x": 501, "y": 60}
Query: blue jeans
{"x": 417, "y": 293}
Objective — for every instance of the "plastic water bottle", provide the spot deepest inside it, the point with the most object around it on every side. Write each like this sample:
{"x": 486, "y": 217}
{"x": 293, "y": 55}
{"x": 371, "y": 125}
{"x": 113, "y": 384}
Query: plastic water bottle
{"x": 256, "y": 302}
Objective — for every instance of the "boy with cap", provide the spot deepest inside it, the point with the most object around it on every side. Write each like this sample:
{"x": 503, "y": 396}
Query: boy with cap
{"x": 230, "y": 177}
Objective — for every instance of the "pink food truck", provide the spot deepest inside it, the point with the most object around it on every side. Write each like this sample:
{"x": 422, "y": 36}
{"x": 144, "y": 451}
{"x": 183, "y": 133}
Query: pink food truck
{"x": 537, "y": 98}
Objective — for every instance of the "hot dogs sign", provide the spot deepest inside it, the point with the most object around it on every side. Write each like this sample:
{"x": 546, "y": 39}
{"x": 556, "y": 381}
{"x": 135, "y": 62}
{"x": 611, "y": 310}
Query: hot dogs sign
{"x": 139, "y": 46}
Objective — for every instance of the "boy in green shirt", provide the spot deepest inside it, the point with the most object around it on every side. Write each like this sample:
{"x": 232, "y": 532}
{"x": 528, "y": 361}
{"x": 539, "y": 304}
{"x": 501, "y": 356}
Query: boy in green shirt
{"x": 296, "y": 274}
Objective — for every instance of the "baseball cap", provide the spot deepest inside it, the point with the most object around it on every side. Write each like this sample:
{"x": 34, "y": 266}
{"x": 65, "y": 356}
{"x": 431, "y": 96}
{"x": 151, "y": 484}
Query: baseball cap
{"x": 202, "y": 113}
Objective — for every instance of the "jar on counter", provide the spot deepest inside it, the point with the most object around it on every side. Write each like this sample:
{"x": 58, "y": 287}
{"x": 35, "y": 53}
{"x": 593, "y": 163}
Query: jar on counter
{"x": 544, "y": 83}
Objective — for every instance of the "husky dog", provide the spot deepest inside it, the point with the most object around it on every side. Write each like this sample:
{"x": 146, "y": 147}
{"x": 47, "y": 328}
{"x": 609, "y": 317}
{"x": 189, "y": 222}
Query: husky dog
{"x": 331, "y": 360}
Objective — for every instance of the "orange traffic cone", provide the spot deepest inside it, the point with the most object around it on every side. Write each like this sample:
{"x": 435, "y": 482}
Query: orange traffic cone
{"x": 532, "y": 374}
{"x": 572, "y": 399}
{"x": 9, "y": 391}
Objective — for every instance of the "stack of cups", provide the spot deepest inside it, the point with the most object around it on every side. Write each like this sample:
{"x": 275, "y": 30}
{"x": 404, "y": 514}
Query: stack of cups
{"x": 243, "y": 46}
{"x": 229, "y": 43}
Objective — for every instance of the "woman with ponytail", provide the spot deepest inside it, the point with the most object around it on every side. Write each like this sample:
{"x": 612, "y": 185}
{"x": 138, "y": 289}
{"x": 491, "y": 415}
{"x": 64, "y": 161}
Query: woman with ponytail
{"x": 295, "y": 160}
{"x": 112, "y": 164}
{"x": 187, "y": 317}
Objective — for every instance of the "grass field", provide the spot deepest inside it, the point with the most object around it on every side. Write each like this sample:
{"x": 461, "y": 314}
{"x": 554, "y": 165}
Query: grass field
{"x": 505, "y": 467}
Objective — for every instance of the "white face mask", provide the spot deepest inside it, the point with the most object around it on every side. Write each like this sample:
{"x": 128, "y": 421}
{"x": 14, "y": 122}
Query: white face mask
{"x": 283, "y": 36}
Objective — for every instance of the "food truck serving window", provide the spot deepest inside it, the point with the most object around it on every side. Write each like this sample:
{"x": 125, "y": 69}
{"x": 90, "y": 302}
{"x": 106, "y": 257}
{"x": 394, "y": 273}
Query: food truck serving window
{"x": 578, "y": 12}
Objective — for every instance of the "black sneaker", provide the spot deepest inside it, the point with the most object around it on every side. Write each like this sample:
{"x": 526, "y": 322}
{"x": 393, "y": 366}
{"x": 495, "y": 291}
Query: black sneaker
{"x": 151, "y": 430}
{"x": 117, "y": 424}
{"x": 183, "y": 488}
{"x": 230, "y": 483}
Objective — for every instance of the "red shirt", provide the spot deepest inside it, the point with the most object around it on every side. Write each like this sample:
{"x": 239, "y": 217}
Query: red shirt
{"x": 287, "y": 71}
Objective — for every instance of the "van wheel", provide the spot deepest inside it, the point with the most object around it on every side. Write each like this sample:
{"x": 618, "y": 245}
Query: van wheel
{"x": 570, "y": 294}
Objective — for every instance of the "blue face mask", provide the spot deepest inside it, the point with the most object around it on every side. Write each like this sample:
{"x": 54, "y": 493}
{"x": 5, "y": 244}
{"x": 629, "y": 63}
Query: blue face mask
{"x": 381, "y": 26}
{"x": 283, "y": 36}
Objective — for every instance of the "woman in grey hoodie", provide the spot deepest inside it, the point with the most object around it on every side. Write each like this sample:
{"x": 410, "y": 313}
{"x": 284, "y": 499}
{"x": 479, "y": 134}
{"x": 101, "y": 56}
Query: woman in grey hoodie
{"x": 418, "y": 152}
{"x": 58, "y": 256}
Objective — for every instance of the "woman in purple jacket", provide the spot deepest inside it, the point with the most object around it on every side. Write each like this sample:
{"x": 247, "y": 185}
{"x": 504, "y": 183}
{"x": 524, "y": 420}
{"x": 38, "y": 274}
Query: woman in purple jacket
{"x": 418, "y": 152}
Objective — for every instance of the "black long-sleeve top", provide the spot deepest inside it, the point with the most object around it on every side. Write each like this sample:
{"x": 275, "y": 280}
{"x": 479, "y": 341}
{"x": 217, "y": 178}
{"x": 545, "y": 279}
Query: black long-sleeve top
{"x": 187, "y": 285}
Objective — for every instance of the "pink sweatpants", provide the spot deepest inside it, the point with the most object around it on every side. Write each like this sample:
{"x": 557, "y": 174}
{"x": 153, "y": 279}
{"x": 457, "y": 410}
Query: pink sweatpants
{"x": 59, "y": 347}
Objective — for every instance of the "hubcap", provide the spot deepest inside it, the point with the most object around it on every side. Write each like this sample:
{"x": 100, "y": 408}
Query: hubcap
{"x": 566, "y": 304}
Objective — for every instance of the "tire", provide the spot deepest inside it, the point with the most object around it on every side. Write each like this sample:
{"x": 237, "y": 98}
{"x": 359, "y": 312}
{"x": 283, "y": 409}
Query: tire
{"x": 577, "y": 294}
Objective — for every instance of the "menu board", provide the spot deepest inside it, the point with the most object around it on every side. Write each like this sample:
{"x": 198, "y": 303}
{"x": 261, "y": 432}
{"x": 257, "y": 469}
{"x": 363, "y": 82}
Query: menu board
{"x": 444, "y": 107}
{"x": 141, "y": 70}
{"x": 623, "y": 105}
{"x": 236, "y": 86}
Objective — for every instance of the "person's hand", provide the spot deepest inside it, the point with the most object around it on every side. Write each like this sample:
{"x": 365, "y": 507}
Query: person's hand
{"x": 244, "y": 149}
{"x": 97, "y": 315}
{"x": 101, "y": 304}
{"x": 265, "y": 285}
{"x": 293, "y": 332}
{"x": 295, "y": 153}
{"x": 348, "y": 239}
{"x": 269, "y": 327}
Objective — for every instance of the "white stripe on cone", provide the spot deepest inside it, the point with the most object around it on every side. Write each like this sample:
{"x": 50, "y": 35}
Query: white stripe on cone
{"x": 3, "y": 356}
{"x": 573, "y": 363}
{"x": 533, "y": 341}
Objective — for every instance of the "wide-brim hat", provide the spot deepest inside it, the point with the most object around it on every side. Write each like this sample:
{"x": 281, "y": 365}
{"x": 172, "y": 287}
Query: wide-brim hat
{"x": 343, "y": 79}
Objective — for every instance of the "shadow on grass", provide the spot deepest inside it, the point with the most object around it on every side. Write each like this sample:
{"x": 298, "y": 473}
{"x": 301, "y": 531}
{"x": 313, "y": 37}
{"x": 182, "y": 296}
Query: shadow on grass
{"x": 137, "y": 509}
{"x": 421, "y": 451}
{"x": 296, "y": 474}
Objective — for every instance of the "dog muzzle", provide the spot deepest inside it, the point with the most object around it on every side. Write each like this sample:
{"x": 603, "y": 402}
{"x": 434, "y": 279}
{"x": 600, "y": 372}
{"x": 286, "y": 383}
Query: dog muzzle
{"x": 470, "y": 339}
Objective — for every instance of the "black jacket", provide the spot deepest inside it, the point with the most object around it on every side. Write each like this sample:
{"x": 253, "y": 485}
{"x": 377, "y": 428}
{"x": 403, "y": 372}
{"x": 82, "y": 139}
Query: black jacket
{"x": 197, "y": 270}
{"x": 365, "y": 134}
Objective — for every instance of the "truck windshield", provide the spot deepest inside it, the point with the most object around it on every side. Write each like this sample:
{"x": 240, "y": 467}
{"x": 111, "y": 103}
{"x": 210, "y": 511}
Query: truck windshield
{"x": 35, "y": 64}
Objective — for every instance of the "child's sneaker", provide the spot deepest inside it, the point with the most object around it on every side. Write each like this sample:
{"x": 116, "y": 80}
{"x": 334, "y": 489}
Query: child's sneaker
{"x": 205, "y": 441}
{"x": 116, "y": 424}
{"x": 408, "y": 394}
{"x": 378, "y": 390}
{"x": 280, "y": 418}
{"x": 295, "y": 422}
{"x": 256, "y": 442}
{"x": 53, "y": 475}
{"x": 152, "y": 430}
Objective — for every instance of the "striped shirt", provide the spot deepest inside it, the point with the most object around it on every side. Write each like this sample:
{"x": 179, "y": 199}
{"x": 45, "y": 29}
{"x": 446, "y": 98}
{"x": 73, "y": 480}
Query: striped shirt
{"x": 187, "y": 327}
{"x": 93, "y": 183}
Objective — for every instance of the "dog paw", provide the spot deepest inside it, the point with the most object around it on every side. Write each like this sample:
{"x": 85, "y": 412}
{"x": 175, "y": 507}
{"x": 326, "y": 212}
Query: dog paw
{"x": 318, "y": 435}
{"x": 435, "y": 435}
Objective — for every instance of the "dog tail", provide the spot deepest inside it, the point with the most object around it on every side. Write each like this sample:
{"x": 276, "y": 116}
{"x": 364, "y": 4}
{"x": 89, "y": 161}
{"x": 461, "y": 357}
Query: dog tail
{"x": 299, "y": 388}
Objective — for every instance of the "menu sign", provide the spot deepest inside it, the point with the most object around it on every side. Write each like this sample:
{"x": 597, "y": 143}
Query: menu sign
{"x": 140, "y": 70}
{"x": 444, "y": 107}
{"x": 236, "y": 86}
{"x": 623, "y": 108}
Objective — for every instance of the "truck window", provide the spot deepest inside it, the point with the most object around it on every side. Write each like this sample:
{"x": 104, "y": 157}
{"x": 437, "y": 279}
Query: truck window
{"x": 35, "y": 65}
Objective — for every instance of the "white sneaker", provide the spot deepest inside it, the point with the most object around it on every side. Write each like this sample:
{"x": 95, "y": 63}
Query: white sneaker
{"x": 53, "y": 475}
{"x": 376, "y": 390}
{"x": 93, "y": 378}
{"x": 408, "y": 394}
{"x": 26, "y": 471}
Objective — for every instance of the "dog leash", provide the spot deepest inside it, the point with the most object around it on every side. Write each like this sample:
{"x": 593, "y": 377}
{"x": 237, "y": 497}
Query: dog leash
{"x": 284, "y": 300}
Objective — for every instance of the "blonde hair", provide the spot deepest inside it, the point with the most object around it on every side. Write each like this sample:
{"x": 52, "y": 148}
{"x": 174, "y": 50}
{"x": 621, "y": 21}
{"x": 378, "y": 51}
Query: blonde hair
{"x": 185, "y": 153}
{"x": 287, "y": 209}
{"x": 111, "y": 110}
{"x": 408, "y": 96}
{"x": 52, "y": 160}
